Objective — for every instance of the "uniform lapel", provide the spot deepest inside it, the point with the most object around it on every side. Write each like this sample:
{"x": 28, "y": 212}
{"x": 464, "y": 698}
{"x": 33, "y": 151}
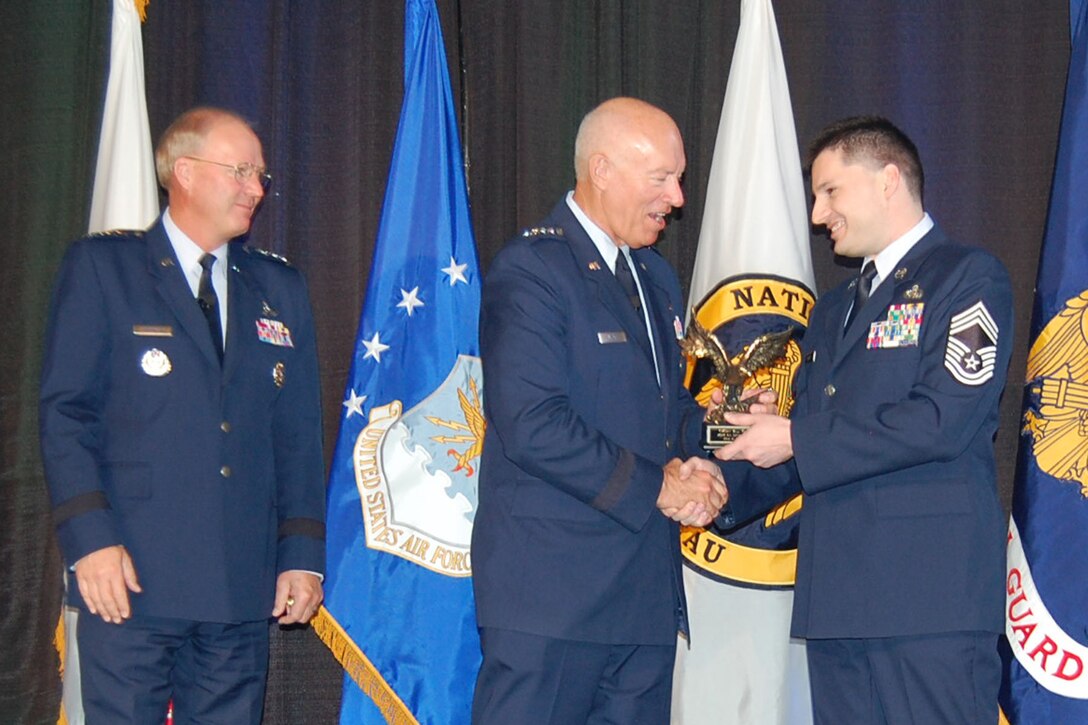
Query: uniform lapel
{"x": 238, "y": 311}
{"x": 175, "y": 291}
{"x": 661, "y": 314}
{"x": 874, "y": 307}
{"x": 598, "y": 275}
{"x": 902, "y": 278}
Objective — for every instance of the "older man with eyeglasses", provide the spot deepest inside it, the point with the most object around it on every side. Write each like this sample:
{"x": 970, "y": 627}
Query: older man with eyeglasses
{"x": 181, "y": 435}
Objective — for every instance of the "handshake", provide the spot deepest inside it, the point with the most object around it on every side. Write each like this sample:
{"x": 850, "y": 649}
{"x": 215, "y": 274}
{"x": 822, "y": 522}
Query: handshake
{"x": 692, "y": 491}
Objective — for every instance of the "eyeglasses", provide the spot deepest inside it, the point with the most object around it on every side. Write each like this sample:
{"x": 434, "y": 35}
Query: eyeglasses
{"x": 243, "y": 172}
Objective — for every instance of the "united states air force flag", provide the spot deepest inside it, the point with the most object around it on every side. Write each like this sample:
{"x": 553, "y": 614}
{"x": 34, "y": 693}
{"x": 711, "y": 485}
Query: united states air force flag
{"x": 1046, "y": 615}
{"x": 402, "y": 490}
{"x": 753, "y": 275}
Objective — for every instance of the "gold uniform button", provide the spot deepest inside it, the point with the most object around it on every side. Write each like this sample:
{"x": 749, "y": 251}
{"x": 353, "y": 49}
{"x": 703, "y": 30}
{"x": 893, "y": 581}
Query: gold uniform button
{"x": 829, "y": 391}
{"x": 225, "y": 471}
{"x": 224, "y": 426}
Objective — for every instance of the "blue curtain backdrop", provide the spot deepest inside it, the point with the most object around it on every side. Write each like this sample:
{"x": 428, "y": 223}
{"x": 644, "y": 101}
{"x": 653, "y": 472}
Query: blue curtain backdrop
{"x": 978, "y": 84}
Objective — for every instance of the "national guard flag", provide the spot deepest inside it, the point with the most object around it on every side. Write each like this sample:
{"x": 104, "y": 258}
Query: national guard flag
{"x": 1046, "y": 621}
{"x": 753, "y": 275}
{"x": 402, "y": 490}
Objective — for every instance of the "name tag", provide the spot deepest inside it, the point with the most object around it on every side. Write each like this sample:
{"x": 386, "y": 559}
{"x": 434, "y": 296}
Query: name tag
{"x": 153, "y": 330}
{"x": 607, "y": 338}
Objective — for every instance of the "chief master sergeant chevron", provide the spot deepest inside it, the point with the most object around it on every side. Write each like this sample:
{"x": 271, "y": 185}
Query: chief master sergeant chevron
{"x": 181, "y": 436}
{"x": 901, "y": 544}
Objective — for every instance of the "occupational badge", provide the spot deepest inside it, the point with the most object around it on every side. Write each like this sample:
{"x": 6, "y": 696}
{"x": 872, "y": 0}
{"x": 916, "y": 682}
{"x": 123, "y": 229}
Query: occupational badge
{"x": 156, "y": 363}
{"x": 971, "y": 351}
{"x": 900, "y": 328}
{"x": 274, "y": 332}
{"x": 278, "y": 374}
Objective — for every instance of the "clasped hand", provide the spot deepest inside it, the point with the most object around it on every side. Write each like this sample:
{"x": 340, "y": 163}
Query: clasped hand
{"x": 693, "y": 491}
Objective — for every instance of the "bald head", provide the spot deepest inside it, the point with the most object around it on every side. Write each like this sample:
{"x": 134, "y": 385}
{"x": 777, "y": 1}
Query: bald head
{"x": 628, "y": 163}
{"x": 613, "y": 126}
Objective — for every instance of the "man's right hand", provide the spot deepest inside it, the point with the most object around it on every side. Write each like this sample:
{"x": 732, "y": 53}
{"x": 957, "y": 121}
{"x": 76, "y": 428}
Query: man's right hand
{"x": 692, "y": 492}
{"x": 105, "y": 578}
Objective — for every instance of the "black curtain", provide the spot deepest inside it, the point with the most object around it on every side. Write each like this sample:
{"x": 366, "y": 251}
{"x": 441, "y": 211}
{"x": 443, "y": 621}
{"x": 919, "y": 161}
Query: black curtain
{"x": 977, "y": 84}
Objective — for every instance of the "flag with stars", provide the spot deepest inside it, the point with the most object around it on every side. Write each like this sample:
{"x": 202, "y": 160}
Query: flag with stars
{"x": 399, "y": 612}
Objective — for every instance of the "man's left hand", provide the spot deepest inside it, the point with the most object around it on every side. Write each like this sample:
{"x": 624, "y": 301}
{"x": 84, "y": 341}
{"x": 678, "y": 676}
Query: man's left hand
{"x": 298, "y": 595}
{"x": 766, "y": 443}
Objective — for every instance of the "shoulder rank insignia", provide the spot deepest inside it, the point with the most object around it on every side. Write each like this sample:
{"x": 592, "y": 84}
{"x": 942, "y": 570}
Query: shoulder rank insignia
{"x": 543, "y": 232}
{"x": 900, "y": 328}
{"x": 138, "y": 233}
{"x": 266, "y": 254}
{"x": 972, "y": 345}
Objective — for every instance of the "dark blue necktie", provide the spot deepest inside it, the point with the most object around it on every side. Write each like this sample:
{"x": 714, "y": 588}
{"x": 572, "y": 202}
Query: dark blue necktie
{"x": 627, "y": 281}
{"x": 209, "y": 303}
{"x": 861, "y": 291}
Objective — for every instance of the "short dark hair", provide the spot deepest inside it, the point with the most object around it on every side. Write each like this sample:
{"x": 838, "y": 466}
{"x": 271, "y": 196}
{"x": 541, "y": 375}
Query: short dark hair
{"x": 875, "y": 139}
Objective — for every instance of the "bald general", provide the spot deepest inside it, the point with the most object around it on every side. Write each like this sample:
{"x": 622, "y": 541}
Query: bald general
{"x": 628, "y": 162}
{"x": 613, "y": 125}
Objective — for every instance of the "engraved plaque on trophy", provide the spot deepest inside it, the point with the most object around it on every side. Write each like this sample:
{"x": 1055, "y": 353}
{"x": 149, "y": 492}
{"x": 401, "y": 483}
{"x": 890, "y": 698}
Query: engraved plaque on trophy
{"x": 731, "y": 373}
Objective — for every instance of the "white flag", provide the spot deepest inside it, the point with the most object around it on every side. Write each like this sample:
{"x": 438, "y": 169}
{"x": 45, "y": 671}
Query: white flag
{"x": 741, "y": 666}
{"x": 755, "y": 217}
{"x": 126, "y": 193}
{"x": 125, "y": 196}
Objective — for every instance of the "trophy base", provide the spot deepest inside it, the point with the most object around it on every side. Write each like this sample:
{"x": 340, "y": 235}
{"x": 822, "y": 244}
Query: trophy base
{"x": 716, "y": 436}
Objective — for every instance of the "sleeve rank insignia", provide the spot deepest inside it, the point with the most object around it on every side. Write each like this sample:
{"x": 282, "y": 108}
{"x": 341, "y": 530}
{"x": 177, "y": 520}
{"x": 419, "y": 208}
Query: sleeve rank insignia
{"x": 971, "y": 350}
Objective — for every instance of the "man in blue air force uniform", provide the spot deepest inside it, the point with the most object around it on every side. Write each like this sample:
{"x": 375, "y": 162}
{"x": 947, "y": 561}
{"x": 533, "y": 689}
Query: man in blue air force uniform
{"x": 576, "y": 563}
{"x": 901, "y": 552}
{"x": 181, "y": 436}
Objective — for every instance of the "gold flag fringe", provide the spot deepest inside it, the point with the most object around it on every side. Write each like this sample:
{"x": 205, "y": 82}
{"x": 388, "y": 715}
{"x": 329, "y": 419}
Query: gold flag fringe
{"x": 58, "y": 644}
{"x": 361, "y": 670}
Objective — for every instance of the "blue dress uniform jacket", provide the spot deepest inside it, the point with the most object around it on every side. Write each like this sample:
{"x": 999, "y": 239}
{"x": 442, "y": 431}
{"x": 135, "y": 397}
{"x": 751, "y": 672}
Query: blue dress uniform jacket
{"x": 901, "y": 532}
{"x": 567, "y": 541}
{"x": 211, "y": 476}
